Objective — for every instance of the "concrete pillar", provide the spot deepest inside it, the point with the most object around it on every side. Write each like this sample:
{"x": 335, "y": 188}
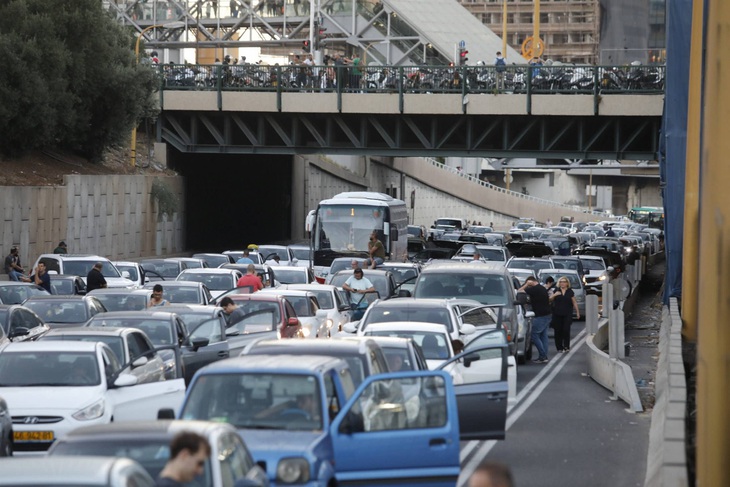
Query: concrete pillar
{"x": 639, "y": 274}
{"x": 591, "y": 314}
{"x": 605, "y": 299}
{"x": 618, "y": 321}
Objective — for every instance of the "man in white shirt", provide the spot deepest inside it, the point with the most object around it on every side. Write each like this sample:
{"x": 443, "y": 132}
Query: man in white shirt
{"x": 358, "y": 284}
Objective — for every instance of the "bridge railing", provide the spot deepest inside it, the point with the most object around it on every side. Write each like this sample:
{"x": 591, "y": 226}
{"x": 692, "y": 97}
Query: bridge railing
{"x": 487, "y": 184}
{"x": 511, "y": 79}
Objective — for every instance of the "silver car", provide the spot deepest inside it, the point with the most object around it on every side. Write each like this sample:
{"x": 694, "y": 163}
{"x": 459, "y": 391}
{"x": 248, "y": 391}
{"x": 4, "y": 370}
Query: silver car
{"x": 74, "y": 471}
{"x": 576, "y": 284}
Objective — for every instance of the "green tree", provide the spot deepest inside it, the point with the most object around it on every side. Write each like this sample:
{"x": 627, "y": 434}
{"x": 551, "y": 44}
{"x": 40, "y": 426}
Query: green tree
{"x": 68, "y": 78}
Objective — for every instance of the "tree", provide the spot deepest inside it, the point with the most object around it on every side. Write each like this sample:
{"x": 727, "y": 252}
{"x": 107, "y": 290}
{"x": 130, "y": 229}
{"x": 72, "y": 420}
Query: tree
{"x": 68, "y": 78}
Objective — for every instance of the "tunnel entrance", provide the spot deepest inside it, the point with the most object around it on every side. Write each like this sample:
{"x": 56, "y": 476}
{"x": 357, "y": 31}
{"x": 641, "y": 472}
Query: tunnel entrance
{"x": 233, "y": 200}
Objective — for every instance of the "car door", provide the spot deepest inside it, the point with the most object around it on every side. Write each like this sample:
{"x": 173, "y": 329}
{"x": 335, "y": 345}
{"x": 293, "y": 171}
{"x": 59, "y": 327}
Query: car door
{"x": 489, "y": 366}
{"x": 371, "y": 430}
{"x": 140, "y": 346}
{"x": 216, "y": 349}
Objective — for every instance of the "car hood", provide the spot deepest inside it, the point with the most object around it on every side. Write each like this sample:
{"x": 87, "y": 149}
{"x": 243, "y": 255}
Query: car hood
{"x": 45, "y": 400}
{"x": 271, "y": 445}
{"x": 117, "y": 282}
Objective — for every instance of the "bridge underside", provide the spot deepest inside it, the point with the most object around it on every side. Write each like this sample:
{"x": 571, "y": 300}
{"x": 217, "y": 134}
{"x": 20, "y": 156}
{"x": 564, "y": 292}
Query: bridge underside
{"x": 545, "y": 137}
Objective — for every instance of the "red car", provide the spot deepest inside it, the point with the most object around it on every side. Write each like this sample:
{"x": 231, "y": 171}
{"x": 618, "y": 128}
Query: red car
{"x": 266, "y": 313}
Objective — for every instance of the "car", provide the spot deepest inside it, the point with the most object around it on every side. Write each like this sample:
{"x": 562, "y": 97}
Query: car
{"x": 364, "y": 357}
{"x": 424, "y": 256}
{"x": 20, "y": 324}
{"x": 402, "y": 354}
{"x": 135, "y": 271}
{"x": 488, "y": 283}
{"x": 162, "y": 269}
{"x": 524, "y": 267}
{"x": 214, "y": 260}
{"x": 568, "y": 262}
{"x": 6, "y": 430}
{"x": 89, "y": 471}
{"x": 287, "y": 274}
{"x": 311, "y": 317}
{"x": 216, "y": 280}
{"x": 404, "y": 273}
{"x": 15, "y": 292}
{"x": 285, "y": 255}
{"x": 329, "y": 298}
{"x": 191, "y": 262}
{"x": 182, "y": 350}
{"x": 383, "y": 281}
{"x": 64, "y": 311}
{"x": 264, "y": 271}
{"x": 434, "y": 311}
{"x": 62, "y": 385}
{"x": 415, "y": 245}
{"x": 81, "y": 264}
{"x": 529, "y": 248}
{"x": 235, "y": 255}
{"x": 341, "y": 264}
{"x": 576, "y": 284}
{"x": 266, "y": 315}
{"x": 610, "y": 258}
{"x": 183, "y": 292}
{"x": 434, "y": 340}
{"x": 487, "y": 253}
{"x": 130, "y": 345}
{"x": 596, "y": 272}
{"x": 301, "y": 253}
{"x": 480, "y": 229}
{"x": 123, "y": 299}
{"x": 148, "y": 442}
{"x": 417, "y": 231}
{"x": 65, "y": 285}
{"x": 210, "y": 322}
{"x": 354, "y": 436}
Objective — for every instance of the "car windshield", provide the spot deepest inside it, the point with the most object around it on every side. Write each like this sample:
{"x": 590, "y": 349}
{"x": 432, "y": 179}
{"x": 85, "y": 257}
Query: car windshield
{"x": 213, "y": 260}
{"x": 114, "y": 342}
{"x": 379, "y": 282}
{"x": 257, "y": 400}
{"x": 164, "y": 269}
{"x": 214, "y": 282}
{"x": 81, "y": 268}
{"x": 291, "y": 276}
{"x": 179, "y": 294}
{"x": 401, "y": 274}
{"x": 593, "y": 264}
{"x": 52, "y": 369}
{"x": 17, "y": 294}
{"x": 324, "y": 298}
{"x": 434, "y": 345}
{"x": 566, "y": 264}
{"x": 382, "y": 314}
{"x": 192, "y": 318}
{"x": 300, "y": 254}
{"x": 300, "y": 305}
{"x": 133, "y": 274}
{"x": 574, "y": 280}
{"x": 151, "y": 453}
{"x": 485, "y": 288}
{"x": 158, "y": 331}
{"x": 53, "y": 311}
{"x": 496, "y": 255}
{"x": 267, "y": 251}
{"x": 259, "y": 316}
{"x": 533, "y": 265}
{"x": 123, "y": 302}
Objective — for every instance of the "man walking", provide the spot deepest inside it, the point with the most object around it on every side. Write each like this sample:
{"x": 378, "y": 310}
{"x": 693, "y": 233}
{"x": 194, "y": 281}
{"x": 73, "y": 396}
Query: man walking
{"x": 12, "y": 265}
{"x": 540, "y": 302}
{"x": 189, "y": 453}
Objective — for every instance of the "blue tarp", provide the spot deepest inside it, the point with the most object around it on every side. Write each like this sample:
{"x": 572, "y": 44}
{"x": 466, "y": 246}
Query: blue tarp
{"x": 673, "y": 144}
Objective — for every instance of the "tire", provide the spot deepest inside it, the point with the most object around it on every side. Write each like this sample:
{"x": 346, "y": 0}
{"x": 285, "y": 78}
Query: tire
{"x": 528, "y": 351}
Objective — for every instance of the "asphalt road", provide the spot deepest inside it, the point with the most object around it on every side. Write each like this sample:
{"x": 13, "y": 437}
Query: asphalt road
{"x": 565, "y": 430}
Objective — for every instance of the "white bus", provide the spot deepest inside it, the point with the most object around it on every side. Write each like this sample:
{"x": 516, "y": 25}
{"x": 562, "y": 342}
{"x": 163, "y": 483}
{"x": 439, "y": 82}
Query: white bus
{"x": 343, "y": 224}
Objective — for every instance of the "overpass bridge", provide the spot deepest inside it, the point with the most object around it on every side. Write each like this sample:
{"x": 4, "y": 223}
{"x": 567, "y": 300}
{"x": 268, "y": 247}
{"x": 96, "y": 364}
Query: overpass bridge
{"x": 414, "y": 111}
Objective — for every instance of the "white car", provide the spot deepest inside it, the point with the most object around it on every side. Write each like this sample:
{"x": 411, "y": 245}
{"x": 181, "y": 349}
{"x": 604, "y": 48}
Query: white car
{"x": 292, "y": 274}
{"x": 134, "y": 271}
{"x": 311, "y": 316}
{"x": 81, "y": 264}
{"x": 90, "y": 471}
{"x": 301, "y": 254}
{"x": 285, "y": 255}
{"x": 596, "y": 272}
{"x": 54, "y": 387}
{"x": 216, "y": 280}
{"x": 329, "y": 298}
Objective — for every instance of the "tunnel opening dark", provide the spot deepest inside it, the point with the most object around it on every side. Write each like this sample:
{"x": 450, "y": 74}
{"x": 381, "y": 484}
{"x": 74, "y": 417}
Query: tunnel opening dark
{"x": 233, "y": 200}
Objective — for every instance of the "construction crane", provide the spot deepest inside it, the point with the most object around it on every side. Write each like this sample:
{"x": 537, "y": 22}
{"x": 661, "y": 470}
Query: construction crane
{"x": 533, "y": 46}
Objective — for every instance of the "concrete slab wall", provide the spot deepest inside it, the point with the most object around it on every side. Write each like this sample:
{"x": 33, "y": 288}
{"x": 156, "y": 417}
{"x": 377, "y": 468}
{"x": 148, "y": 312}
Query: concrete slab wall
{"x": 114, "y": 216}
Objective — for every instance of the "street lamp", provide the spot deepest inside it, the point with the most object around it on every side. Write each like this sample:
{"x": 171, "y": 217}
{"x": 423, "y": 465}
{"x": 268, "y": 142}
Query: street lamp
{"x": 169, "y": 25}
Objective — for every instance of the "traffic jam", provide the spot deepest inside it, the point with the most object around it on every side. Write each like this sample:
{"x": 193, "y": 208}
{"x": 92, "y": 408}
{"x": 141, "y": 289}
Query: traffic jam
{"x": 364, "y": 356}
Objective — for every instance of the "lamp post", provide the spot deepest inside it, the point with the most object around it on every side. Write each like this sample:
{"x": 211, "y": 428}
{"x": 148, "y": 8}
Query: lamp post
{"x": 169, "y": 25}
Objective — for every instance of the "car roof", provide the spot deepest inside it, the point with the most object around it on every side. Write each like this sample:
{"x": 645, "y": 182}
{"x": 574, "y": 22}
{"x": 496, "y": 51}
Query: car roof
{"x": 125, "y": 262}
{"x": 51, "y": 346}
{"x": 407, "y": 326}
{"x": 287, "y": 292}
{"x": 75, "y": 257}
{"x": 257, "y": 297}
{"x": 157, "y": 314}
{"x": 314, "y": 347}
{"x": 464, "y": 267}
{"x": 192, "y": 308}
{"x": 310, "y": 287}
{"x": 63, "y": 470}
{"x": 281, "y": 362}
{"x": 411, "y": 302}
{"x": 118, "y": 291}
{"x": 207, "y": 270}
{"x": 150, "y": 285}
{"x": 56, "y": 297}
{"x": 166, "y": 428}
{"x": 558, "y": 271}
{"x": 90, "y": 330}
{"x": 383, "y": 341}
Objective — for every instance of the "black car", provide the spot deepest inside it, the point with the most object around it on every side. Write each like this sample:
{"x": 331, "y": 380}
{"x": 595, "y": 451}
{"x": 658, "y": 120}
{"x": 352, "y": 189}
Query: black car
{"x": 67, "y": 285}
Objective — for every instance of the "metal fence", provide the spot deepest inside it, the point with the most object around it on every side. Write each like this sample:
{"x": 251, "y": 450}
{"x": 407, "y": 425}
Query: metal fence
{"x": 519, "y": 79}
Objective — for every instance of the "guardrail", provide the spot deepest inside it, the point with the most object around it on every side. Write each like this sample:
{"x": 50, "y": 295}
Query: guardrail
{"x": 517, "y": 194}
{"x": 527, "y": 80}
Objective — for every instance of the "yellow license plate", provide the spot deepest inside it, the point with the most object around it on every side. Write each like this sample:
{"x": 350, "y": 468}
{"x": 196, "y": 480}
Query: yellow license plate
{"x": 33, "y": 435}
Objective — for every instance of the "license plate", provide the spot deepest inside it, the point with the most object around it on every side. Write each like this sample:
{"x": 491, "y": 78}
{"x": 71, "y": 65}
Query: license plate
{"x": 33, "y": 435}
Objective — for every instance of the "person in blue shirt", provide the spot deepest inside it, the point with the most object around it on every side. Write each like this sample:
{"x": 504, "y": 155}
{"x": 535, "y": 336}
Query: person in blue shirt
{"x": 40, "y": 277}
{"x": 245, "y": 259}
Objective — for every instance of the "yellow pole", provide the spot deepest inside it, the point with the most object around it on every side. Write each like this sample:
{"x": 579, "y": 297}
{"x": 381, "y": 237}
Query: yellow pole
{"x": 690, "y": 252}
{"x": 504, "y": 28}
{"x": 713, "y": 344}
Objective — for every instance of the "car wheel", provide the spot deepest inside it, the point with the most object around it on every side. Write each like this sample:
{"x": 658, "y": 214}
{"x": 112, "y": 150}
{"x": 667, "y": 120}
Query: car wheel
{"x": 8, "y": 450}
{"x": 528, "y": 351}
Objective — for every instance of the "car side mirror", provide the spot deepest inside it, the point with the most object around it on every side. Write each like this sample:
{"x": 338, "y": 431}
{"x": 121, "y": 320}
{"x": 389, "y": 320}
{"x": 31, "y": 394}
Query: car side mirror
{"x": 468, "y": 359}
{"x": 18, "y": 332}
{"x": 196, "y": 343}
{"x": 166, "y": 413}
{"x": 139, "y": 361}
{"x": 349, "y": 327}
{"x": 530, "y": 314}
{"x": 610, "y": 268}
{"x": 125, "y": 380}
{"x": 344, "y": 307}
{"x": 292, "y": 322}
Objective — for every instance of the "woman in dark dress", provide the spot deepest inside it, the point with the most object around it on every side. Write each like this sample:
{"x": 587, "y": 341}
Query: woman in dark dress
{"x": 563, "y": 301}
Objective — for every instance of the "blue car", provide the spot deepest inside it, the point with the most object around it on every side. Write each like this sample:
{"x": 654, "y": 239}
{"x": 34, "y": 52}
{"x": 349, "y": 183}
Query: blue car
{"x": 307, "y": 425}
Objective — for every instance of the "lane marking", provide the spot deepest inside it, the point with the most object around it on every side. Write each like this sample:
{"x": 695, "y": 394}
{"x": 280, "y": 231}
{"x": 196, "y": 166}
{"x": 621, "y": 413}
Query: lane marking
{"x": 518, "y": 408}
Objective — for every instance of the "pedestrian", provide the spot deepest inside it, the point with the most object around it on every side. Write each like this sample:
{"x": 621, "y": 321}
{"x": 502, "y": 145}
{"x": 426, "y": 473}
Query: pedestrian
{"x": 40, "y": 277}
{"x": 234, "y": 8}
{"x": 540, "y": 302}
{"x": 275, "y": 260}
{"x": 376, "y": 251}
{"x": 95, "y": 278}
{"x": 357, "y": 283}
{"x": 245, "y": 259}
{"x": 476, "y": 258}
{"x": 189, "y": 453}
{"x": 233, "y": 312}
{"x": 536, "y": 64}
{"x": 250, "y": 279}
{"x": 12, "y": 265}
{"x": 549, "y": 223}
{"x": 156, "y": 300}
{"x": 563, "y": 300}
{"x": 356, "y": 73}
{"x": 491, "y": 474}
{"x": 609, "y": 231}
{"x": 500, "y": 66}
{"x": 354, "y": 264}
{"x": 61, "y": 249}
{"x": 549, "y": 285}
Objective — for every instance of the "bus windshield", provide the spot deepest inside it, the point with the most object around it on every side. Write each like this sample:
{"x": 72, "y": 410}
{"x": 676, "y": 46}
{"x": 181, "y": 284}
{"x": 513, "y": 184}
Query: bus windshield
{"x": 348, "y": 227}
{"x": 648, "y": 215}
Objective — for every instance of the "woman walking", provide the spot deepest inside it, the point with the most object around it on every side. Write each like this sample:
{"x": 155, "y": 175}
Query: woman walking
{"x": 563, "y": 301}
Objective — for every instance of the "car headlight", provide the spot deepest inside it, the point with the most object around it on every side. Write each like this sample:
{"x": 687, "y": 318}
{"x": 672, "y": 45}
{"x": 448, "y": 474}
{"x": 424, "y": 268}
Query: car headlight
{"x": 329, "y": 323}
{"x": 292, "y": 471}
{"x": 306, "y": 330}
{"x": 602, "y": 277}
{"x": 94, "y": 411}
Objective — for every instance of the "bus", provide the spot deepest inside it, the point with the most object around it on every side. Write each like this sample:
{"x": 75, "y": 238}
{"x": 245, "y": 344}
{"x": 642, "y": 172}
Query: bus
{"x": 648, "y": 215}
{"x": 343, "y": 224}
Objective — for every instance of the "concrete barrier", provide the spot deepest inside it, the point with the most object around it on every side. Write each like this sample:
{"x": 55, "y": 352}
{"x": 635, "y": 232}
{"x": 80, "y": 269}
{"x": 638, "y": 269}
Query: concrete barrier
{"x": 666, "y": 464}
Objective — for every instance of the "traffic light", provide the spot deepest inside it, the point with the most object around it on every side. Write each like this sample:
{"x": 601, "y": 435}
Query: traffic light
{"x": 319, "y": 35}
{"x": 305, "y": 46}
{"x": 462, "y": 56}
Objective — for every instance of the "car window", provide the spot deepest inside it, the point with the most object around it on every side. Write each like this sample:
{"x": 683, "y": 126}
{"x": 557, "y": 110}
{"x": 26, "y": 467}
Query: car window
{"x": 81, "y": 268}
{"x": 59, "y": 312}
{"x": 301, "y": 306}
{"x": 210, "y": 329}
{"x": 383, "y": 314}
{"x": 333, "y": 402}
{"x": 48, "y": 368}
{"x": 593, "y": 265}
{"x": 115, "y": 343}
{"x": 133, "y": 274}
{"x": 233, "y": 458}
{"x": 258, "y": 316}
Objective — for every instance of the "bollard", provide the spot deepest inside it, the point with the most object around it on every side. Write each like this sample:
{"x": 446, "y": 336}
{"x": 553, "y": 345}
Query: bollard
{"x": 620, "y": 333}
{"x": 591, "y": 314}
{"x": 612, "y": 338}
{"x": 604, "y": 299}
{"x": 638, "y": 274}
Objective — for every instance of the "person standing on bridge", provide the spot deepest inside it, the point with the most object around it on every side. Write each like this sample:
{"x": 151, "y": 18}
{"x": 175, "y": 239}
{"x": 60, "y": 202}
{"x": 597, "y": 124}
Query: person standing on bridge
{"x": 564, "y": 303}
{"x": 500, "y": 66}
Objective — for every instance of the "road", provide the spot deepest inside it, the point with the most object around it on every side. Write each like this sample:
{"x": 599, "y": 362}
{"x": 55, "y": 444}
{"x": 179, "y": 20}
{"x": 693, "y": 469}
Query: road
{"x": 564, "y": 429}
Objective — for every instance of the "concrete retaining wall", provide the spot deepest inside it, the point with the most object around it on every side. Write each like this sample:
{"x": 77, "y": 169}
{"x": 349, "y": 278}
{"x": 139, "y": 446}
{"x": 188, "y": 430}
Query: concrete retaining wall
{"x": 113, "y": 216}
